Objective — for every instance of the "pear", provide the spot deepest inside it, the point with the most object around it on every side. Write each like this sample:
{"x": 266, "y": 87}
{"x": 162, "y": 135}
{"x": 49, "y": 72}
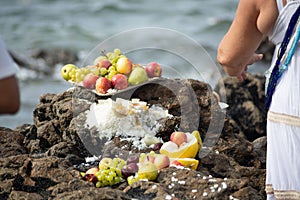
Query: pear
{"x": 148, "y": 171}
{"x": 137, "y": 76}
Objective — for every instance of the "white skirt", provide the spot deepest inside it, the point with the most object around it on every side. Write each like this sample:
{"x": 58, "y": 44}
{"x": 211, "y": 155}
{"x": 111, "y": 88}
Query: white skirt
{"x": 283, "y": 156}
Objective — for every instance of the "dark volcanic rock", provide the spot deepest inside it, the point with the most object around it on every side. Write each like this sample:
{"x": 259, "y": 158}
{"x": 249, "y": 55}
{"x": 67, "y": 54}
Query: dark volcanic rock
{"x": 42, "y": 161}
{"x": 246, "y": 102}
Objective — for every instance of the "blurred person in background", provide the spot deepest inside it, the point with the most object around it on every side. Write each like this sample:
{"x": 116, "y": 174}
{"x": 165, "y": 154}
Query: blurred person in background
{"x": 9, "y": 89}
{"x": 279, "y": 20}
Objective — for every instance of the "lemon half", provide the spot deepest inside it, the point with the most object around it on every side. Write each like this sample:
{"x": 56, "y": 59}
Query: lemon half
{"x": 187, "y": 162}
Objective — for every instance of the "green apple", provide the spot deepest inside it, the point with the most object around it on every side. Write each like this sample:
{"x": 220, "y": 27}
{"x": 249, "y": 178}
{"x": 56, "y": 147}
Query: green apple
{"x": 137, "y": 76}
{"x": 65, "y": 71}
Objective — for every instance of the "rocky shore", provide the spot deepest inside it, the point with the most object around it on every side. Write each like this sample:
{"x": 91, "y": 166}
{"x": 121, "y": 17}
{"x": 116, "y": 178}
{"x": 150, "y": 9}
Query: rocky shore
{"x": 43, "y": 160}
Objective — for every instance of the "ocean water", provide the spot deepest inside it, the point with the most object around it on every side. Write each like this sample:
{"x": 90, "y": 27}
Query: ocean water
{"x": 81, "y": 25}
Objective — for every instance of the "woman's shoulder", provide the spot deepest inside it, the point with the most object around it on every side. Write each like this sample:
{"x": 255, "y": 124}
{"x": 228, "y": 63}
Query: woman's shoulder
{"x": 283, "y": 20}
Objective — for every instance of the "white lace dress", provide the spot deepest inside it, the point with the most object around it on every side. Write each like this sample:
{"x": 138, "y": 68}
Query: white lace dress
{"x": 283, "y": 125}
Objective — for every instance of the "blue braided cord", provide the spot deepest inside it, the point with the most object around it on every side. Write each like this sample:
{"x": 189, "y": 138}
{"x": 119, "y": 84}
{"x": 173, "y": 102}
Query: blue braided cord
{"x": 290, "y": 54}
{"x": 275, "y": 75}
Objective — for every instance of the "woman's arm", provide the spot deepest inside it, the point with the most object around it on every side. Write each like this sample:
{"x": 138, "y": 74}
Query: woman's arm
{"x": 253, "y": 19}
{"x": 9, "y": 95}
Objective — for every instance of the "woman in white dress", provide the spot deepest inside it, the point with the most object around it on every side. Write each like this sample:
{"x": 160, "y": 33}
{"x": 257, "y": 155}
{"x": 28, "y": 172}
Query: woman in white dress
{"x": 9, "y": 90}
{"x": 279, "y": 20}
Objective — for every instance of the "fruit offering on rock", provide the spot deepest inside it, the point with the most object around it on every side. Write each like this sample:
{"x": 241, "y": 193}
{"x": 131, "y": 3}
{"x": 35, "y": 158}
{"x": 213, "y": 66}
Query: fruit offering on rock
{"x": 114, "y": 66}
{"x": 89, "y": 81}
{"x": 188, "y": 149}
{"x": 162, "y": 161}
{"x": 185, "y": 162}
{"x": 137, "y": 76}
{"x": 77, "y": 75}
{"x": 90, "y": 175}
{"x": 178, "y": 138}
{"x": 159, "y": 160}
{"x": 147, "y": 171}
{"x": 93, "y": 170}
{"x": 133, "y": 159}
{"x": 90, "y": 178}
{"x": 102, "y": 85}
{"x": 132, "y": 179}
{"x": 65, "y": 71}
{"x": 119, "y": 81}
{"x": 105, "y": 163}
{"x": 198, "y": 137}
{"x": 156, "y": 147}
{"x": 102, "y": 62}
{"x": 124, "y": 65}
{"x": 153, "y": 69}
{"x": 129, "y": 170}
{"x": 149, "y": 158}
{"x": 109, "y": 172}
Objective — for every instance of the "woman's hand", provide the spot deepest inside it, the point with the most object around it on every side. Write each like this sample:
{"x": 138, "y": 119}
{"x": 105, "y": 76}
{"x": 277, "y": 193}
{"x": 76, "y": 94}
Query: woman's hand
{"x": 254, "y": 58}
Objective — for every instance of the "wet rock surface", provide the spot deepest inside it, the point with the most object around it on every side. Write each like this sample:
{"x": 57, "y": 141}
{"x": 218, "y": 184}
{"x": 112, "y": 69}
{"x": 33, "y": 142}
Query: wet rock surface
{"x": 43, "y": 160}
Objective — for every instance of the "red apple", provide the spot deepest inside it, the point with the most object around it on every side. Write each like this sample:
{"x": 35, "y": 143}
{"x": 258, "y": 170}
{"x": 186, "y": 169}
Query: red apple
{"x": 89, "y": 81}
{"x": 124, "y": 65}
{"x": 162, "y": 161}
{"x": 103, "y": 63}
{"x": 153, "y": 69}
{"x": 119, "y": 81}
{"x": 178, "y": 138}
{"x": 102, "y": 85}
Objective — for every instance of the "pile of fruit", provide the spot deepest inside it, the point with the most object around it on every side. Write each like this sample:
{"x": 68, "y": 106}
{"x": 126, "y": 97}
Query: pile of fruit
{"x": 112, "y": 70}
{"x": 146, "y": 166}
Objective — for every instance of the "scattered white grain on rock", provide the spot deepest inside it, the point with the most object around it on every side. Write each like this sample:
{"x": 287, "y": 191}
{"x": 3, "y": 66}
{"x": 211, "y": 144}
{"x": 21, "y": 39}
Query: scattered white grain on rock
{"x": 198, "y": 175}
{"x": 173, "y": 179}
{"x": 232, "y": 198}
{"x": 212, "y": 180}
{"x": 217, "y": 152}
{"x": 154, "y": 187}
{"x": 168, "y": 197}
{"x": 91, "y": 159}
{"x": 224, "y": 185}
{"x": 181, "y": 182}
{"x": 174, "y": 173}
{"x": 216, "y": 186}
{"x": 194, "y": 190}
{"x": 205, "y": 194}
{"x": 204, "y": 177}
{"x": 219, "y": 189}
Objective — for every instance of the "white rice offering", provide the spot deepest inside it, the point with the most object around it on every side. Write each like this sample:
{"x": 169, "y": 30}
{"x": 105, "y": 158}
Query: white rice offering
{"x": 133, "y": 120}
